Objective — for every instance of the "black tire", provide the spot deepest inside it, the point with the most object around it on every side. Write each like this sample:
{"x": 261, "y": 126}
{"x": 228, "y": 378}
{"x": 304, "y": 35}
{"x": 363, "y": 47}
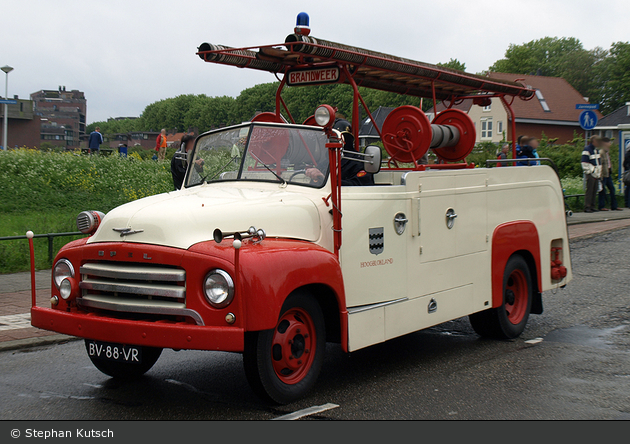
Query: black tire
{"x": 509, "y": 320}
{"x": 125, "y": 370}
{"x": 283, "y": 364}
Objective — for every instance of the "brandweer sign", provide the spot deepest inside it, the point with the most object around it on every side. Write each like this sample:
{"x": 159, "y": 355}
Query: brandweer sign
{"x": 311, "y": 76}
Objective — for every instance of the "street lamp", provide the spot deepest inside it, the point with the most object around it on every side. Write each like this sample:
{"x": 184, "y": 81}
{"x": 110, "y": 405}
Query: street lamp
{"x": 7, "y": 69}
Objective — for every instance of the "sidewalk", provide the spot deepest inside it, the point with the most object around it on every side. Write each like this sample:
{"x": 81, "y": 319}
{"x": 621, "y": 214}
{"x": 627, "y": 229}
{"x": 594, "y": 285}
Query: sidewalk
{"x": 15, "y": 289}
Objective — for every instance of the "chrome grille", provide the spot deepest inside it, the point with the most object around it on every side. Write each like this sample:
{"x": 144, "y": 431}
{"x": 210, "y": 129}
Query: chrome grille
{"x": 135, "y": 289}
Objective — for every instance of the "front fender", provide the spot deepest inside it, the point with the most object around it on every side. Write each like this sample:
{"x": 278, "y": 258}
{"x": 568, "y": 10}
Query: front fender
{"x": 271, "y": 270}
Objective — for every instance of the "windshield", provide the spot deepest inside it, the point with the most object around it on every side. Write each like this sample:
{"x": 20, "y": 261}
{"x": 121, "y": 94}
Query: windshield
{"x": 261, "y": 152}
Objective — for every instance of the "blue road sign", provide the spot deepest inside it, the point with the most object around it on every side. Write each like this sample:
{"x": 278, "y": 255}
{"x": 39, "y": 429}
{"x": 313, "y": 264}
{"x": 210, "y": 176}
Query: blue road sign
{"x": 587, "y": 106}
{"x": 588, "y": 119}
{"x": 8, "y": 102}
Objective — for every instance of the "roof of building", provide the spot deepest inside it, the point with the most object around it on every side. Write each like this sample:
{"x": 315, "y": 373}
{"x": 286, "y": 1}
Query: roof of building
{"x": 177, "y": 137}
{"x": 555, "y": 100}
{"x": 619, "y": 116}
{"x": 464, "y": 106}
{"x": 367, "y": 126}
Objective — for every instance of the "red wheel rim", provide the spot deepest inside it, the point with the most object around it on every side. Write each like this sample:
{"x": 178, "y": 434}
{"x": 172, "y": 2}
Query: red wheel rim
{"x": 293, "y": 346}
{"x": 516, "y": 295}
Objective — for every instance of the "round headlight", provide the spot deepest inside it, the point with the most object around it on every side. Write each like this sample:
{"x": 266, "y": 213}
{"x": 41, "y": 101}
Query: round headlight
{"x": 324, "y": 115}
{"x": 63, "y": 269}
{"x": 65, "y": 288}
{"x": 218, "y": 288}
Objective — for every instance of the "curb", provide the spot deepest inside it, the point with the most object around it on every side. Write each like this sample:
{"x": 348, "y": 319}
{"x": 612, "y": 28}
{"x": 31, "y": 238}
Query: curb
{"x": 19, "y": 344}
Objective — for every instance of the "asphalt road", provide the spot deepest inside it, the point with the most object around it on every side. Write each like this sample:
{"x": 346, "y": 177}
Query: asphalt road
{"x": 571, "y": 363}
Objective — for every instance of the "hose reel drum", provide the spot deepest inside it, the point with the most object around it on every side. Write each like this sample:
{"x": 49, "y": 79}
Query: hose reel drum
{"x": 408, "y": 135}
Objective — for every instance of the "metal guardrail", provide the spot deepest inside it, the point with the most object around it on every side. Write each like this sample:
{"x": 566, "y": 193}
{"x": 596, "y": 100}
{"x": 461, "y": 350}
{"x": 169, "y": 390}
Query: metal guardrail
{"x": 528, "y": 160}
{"x": 50, "y": 236}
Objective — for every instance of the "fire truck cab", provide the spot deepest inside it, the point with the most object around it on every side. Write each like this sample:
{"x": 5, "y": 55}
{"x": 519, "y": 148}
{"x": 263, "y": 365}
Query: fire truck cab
{"x": 264, "y": 252}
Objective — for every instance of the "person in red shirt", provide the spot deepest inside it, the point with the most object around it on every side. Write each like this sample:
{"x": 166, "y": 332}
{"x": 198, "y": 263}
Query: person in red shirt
{"x": 160, "y": 144}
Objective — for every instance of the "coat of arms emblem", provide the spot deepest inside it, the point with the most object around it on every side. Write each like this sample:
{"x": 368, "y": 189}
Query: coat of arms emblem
{"x": 377, "y": 240}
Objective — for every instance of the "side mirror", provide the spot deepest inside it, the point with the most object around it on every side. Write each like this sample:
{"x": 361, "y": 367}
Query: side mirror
{"x": 372, "y": 159}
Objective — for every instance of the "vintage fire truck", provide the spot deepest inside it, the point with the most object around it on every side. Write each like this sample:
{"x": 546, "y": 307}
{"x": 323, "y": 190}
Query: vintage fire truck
{"x": 266, "y": 252}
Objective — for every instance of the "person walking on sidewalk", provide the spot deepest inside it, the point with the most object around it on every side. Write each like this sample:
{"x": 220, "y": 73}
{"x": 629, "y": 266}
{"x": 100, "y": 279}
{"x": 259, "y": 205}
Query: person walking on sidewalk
{"x": 592, "y": 167}
{"x": 607, "y": 183}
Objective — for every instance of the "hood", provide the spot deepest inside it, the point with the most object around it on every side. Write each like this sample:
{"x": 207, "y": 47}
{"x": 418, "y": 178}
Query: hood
{"x": 183, "y": 218}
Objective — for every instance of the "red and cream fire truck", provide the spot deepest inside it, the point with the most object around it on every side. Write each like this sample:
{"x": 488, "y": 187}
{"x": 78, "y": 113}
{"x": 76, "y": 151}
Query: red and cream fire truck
{"x": 264, "y": 251}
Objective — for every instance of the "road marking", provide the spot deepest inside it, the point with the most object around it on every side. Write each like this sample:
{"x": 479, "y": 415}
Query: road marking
{"x": 306, "y": 412}
{"x": 14, "y": 322}
{"x": 534, "y": 341}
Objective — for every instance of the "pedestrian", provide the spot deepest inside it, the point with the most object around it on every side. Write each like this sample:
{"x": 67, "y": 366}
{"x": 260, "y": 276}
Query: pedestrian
{"x": 179, "y": 162}
{"x": 95, "y": 140}
{"x": 606, "y": 179}
{"x": 503, "y": 154}
{"x": 160, "y": 145}
{"x": 526, "y": 151}
{"x": 592, "y": 168}
{"x": 534, "y": 143}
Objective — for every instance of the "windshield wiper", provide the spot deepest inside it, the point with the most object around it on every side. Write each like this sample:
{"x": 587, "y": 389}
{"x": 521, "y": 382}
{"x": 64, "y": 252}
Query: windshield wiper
{"x": 284, "y": 182}
{"x": 221, "y": 170}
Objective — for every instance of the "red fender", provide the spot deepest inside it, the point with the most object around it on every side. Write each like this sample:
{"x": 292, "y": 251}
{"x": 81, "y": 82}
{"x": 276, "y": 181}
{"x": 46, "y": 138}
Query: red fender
{"x": 272, "y": 269}
{"x": 507, "y": 239}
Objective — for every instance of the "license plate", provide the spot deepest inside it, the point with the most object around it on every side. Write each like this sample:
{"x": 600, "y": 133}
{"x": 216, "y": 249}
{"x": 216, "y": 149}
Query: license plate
{"x": 114, "y": 352}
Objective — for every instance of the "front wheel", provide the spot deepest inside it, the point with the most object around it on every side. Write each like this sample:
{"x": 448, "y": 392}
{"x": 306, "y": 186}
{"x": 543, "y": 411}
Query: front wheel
{"x": 283, "y": 364}
{"x": 508, "y": 321}
{"x": 126, "y": 370}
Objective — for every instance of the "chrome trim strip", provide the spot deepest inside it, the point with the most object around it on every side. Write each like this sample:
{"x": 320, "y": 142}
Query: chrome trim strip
{"x": 169, "y": 291}
{"x": 132, "y": 272}
{"x": 105, "y": 303}
{"x": 373, "y": 306}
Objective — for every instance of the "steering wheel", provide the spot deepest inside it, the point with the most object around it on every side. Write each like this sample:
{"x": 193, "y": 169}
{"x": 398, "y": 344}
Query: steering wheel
{"x": 296, "y": 173}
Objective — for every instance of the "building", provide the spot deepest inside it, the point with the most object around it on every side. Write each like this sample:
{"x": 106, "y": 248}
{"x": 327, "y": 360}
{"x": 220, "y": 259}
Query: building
{"x": 143, "y": 139}
{"x": 616, "y": 126}
{"x": 63, "y": 116}
{"x": 367, "y": 131}
{"x": 23, "y": 126}
{"x": 551, "y": 112}
{"x": 617, "y": 120}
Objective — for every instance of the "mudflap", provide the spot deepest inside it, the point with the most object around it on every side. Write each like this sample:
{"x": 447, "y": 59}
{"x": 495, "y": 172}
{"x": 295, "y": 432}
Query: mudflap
{"x": 537, "y": 305}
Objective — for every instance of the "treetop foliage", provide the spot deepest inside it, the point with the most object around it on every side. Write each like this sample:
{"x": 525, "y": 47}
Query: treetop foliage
{"x": 597, "y": 74}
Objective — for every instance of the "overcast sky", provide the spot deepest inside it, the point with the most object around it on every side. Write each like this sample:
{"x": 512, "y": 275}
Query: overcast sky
{"x": 126, "y": 54}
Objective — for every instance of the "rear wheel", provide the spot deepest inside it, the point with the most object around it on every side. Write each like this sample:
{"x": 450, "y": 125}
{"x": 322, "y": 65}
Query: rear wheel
{"x": 126, "y": 370}
{"x": 283, "y": 364}
{"x": 509, "y": 320}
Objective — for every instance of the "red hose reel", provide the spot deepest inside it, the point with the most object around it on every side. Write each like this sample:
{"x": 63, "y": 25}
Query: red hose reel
{"x": 408, "y": 135}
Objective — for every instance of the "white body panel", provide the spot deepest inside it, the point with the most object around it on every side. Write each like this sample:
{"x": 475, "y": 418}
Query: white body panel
{"x": 430, "y": 273}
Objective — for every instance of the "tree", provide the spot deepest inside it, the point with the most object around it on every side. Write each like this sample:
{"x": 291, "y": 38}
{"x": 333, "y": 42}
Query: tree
{"x": 615, "y": 73}
{"x": 453, "y": 64}
{"x": 556, "y": 57}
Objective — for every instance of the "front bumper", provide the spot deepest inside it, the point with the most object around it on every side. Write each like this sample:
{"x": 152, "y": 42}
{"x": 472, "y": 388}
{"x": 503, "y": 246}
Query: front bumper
{"x": 151, "y": 334}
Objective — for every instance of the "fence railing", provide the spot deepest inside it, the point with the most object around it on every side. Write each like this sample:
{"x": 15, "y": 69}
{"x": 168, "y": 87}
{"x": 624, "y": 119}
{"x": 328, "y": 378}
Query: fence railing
{"x": 50, "y": 236}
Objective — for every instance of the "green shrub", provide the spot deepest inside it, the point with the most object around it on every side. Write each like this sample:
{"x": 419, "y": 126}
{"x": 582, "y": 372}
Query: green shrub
{"x": 43, "y": 191}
